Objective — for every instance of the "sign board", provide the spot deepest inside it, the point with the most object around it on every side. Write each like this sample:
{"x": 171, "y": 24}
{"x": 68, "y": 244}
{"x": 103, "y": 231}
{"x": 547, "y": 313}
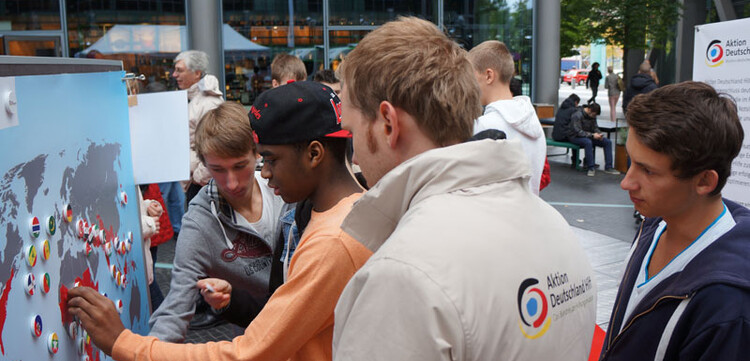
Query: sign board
{"x": 721, "y": 57}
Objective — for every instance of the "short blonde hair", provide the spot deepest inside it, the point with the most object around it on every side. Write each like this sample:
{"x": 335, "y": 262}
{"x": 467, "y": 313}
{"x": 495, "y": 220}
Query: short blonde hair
{"x": 288, "y": 66}
{"x": 410, "y": 63}
{"x": 493, "y": 54}
{"x": 224, "y": 132}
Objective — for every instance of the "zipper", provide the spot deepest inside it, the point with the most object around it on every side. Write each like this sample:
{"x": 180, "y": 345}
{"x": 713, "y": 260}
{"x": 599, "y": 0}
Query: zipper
{"x": 641, "y": 314}
{"x": 627, "y": 271}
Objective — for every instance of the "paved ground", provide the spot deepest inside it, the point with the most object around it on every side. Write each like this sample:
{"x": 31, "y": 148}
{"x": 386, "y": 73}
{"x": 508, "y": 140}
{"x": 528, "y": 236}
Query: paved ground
{"x": 597, "y": 209}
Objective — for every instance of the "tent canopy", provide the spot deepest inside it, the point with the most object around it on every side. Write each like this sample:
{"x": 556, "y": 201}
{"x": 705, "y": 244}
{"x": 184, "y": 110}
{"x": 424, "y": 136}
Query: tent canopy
{"x": 141, "y": 39}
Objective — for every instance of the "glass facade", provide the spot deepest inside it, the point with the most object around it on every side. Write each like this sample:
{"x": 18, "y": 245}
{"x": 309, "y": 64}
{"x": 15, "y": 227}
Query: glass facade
{"x": 146, "y": 34}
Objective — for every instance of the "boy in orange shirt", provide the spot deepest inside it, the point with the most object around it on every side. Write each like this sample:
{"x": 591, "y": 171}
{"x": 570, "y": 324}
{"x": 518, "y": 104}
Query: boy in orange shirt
{"x": 299, "y": 135}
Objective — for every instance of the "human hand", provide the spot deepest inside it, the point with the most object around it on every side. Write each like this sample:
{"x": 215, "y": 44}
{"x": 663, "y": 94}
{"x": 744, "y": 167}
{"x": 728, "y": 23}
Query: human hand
{"x": 154, "y": 209}
{"x": 156, "y": 225}
{"x": 215, "y": 291}
{"x": 598, "y": 136}
{"x": 98, "y": 316}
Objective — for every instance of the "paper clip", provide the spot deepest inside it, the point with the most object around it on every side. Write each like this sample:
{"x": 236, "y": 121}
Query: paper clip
{"x": 132, "y": 76}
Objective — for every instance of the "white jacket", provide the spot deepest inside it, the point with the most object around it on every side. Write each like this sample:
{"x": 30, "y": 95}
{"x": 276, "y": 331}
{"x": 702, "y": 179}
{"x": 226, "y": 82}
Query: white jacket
{"x": 517, "y": 118}
{"x": 203, "y": 96}
{"x": 468, "y": 265}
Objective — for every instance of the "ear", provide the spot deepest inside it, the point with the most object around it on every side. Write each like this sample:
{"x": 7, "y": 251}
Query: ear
{"x": 314, "y": 154}
{"x": 274, "y": 83}
{"x": 391, "y": 123}
{"x": 706, "y": 182}
{"x": 489, "y": 76}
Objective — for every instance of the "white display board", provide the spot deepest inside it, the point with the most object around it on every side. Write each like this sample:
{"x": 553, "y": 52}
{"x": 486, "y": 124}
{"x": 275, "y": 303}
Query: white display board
{"x": 160, "y": 136}
{"x": 721, "y": 57}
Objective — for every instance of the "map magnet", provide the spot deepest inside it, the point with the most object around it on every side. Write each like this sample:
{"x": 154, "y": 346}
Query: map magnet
{"x": 30, "y": 255}
{"x": 118, "y": 278}
{"x": 81, "y": 346}
{"x": 80, "y": 227}
{"x": 73, "y": 330}
{"x": 45, "y": 249}
{"x": 88, "y": 249}
{"x": 86, "y": 230}
{"x": 68, "y": 213}
{"x": 35, "y": 227}
{"x": 30, "y": 282}
{"x": 108, "y": 248}
{"x": 113, "y": 271}
{"x": 46, "y": 282}
{"x": 51, "y": 225}
{"x": 36, "y": 326}
{"x": 53, "y": 343}
{"x": 128, "y": 244}
{"x": 123, "y": 198}
{"x": 118, "y": 305}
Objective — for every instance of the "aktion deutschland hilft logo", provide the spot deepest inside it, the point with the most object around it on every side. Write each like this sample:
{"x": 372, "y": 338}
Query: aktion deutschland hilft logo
{"x": 714, "y": 54}
{"x": 533, "y": 309}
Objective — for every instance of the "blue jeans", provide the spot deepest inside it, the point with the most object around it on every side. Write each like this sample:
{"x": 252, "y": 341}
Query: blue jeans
{"x": 588, "y": 145}
{"x": 174, "y": 198}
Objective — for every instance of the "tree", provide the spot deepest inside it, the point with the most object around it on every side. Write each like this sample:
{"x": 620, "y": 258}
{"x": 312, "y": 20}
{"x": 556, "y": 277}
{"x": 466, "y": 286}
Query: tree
{"x": 575, "y": 25}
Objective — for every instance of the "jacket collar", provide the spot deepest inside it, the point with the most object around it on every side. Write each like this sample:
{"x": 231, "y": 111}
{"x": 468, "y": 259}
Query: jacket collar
{"x": 209, "y": 84}
{"x": 438, "y": 171}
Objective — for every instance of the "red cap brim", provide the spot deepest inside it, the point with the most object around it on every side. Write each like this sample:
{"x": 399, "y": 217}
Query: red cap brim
{"x": 340, "y": 134}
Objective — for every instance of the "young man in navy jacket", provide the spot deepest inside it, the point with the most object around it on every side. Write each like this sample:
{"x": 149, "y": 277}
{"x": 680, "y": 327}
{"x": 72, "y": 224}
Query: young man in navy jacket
{"x": 685, "y": 294}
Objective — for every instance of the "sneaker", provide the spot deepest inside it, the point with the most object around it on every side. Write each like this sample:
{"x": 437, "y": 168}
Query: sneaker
{"x": 611, "y": 171}
{"x": 591, "y": 173}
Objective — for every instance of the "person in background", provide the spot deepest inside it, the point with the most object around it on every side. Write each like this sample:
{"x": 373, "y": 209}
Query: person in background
{"x": 562, "y": 117}
{"x": 584, "y": 131}
{"x": 612, "y": 83}
{"x": 592, "y": 81}
{"x": 443, "y": 220}
{"x": 203, "y": 95}
{"x": 514, "y": 115}
{"x": 685, "y": 294}
{"x": 152, "y": 196}
{"x": 329, "y": 78}
{"x": 640, "y": 83}
{"x": 286, "y": 68}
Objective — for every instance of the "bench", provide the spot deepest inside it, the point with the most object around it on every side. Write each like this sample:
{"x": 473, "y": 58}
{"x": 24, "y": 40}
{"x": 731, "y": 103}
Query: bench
{"x": 569, "y": 147}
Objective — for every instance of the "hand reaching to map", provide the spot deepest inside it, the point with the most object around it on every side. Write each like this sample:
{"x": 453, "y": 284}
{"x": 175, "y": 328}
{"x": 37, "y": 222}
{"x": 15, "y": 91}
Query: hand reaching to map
{"x": 216, "y": 292}
{"x": 98, "y": 316}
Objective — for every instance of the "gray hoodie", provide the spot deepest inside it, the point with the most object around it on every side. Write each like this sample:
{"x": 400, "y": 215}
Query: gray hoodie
{"x": 217, "y": 242}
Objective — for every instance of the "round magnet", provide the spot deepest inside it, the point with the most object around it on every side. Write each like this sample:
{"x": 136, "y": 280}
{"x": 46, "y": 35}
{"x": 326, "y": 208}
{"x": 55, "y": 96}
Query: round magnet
{"x": 128, "y": 245}
{"x": 87, "y": 249}
{"x": 51, "y": 225}
{"x": 45, "y": 282}
{"x": 85, "y": 337}
{"x": 123, "y": 198}
{"x": 36, "y": 326}
{"x": 108, "y": 248}
{"x": 29, "y": 284}
{"x": 53, "y": 343}
{"x": 30, "y": 253}
{"x": 68, "y": 213}
{"x": 81, "y": 346}
{"x": 36, "y": 228}
{"x": 80, "y": 225}
{"x": 73, "y": 330}
{"x": 86, "y": 230}
{"x": 130, "y": 236}
{"x": 45, "y": 250}
{"x": 93, "y": 232}
{"x": 118, "y": 278}
{"x": 76, "y": 284}
{"x": 118, "y": 305}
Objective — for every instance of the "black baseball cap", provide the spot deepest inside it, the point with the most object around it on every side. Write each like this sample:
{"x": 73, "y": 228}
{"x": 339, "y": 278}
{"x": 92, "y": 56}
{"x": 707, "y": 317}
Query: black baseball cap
{"x": 296, "y": 112}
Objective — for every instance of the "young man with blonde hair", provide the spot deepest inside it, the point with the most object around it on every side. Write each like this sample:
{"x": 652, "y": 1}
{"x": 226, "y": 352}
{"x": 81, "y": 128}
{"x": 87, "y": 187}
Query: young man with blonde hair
{"x": 468, "y": 263}
{"x": 515, "y": 116}
{"x": 286, "y": 68}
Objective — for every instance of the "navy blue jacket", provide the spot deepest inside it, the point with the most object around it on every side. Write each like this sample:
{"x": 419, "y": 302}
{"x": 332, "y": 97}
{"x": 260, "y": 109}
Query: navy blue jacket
{"x": 715, "y": 324}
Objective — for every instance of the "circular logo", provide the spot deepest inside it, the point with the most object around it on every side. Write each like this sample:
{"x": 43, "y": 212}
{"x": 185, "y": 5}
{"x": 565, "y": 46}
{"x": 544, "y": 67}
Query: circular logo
{"x": 31, "y": 255}
{"x": 36, "y": 326}
{"x": 29, "y": 284}
{"x": 45, "y": 250}
{"x": 532, "y": 309}
{"x": 714, "y": 53}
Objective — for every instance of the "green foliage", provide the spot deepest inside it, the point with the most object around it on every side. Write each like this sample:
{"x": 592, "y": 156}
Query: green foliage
{"x": 628, "y": 23}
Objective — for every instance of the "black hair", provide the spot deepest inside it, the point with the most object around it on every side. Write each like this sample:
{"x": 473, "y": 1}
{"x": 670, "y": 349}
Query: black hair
{"x": 326, "y": 76}
{"x": 594, "y": 108}
{"x": 337, "y": 147}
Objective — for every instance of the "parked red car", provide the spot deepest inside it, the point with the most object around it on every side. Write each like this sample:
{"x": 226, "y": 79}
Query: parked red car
{"x": 576, "y": 75}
